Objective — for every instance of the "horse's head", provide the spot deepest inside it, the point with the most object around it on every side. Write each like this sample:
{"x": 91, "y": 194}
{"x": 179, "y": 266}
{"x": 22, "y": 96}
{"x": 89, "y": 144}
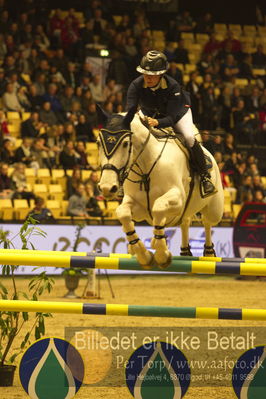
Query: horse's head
{"x": 115, "y": 146}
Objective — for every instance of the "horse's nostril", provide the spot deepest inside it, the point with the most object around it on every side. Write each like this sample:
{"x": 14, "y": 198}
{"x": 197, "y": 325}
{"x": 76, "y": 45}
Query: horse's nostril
{"x": 114, "y": 189}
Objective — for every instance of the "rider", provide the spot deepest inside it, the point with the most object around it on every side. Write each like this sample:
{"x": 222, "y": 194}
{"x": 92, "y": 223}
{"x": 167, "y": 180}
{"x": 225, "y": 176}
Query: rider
{"x": 165, "y": 104}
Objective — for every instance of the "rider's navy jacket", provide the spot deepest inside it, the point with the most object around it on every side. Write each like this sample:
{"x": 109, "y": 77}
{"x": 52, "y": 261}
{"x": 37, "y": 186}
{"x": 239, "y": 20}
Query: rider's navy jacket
{"x": 168, "y": 103}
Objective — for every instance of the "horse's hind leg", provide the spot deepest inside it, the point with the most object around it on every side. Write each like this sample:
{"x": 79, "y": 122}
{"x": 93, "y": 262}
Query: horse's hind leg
{"x": 211, "y": 216}
{"x": 135, "y": 245}
{"x": 185, "y": 247}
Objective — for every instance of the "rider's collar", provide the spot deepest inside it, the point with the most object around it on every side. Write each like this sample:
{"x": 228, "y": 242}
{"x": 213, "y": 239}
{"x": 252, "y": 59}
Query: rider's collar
{"x": 161, "y": 85}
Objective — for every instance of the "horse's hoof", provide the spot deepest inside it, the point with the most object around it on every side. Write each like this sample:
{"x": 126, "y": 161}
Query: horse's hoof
{"x": 149, "y": 265}
{"x": 165, "y": 265}
{"x": 209, "y": 250}
{"x": 185, "y": 251}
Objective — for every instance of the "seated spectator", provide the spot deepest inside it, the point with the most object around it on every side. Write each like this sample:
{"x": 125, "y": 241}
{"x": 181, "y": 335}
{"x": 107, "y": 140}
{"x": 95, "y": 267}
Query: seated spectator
{"x": 91, "y": 115}
{"x": 259, "y": 196}
{"x": 32, "y": 127}
{"x": 52, "y": 97}
{"x": 67, "y": 98}
{"x": 4, "y": 130}
{"x": 229, "y": 69}
{"x": 175, "y": 73}
{"x": 224, "y": 101}
{"x": 41, "y": 154}
{"x": 73, "y": 181}
{"x": 23, "y": 99}
{"x": 77, "y": 205}
{"x": 210, "y": 109}
{"x": 257, "y": 184}
{"x": 245, "y": 68}
{"x": 82, "y": 156}
{"x": 23, "y": 153}
{"x": 253, "y": 170}
{"x": 252, "y": 102}
{"x": 259, "y": 57}
{"x": 96, "y": 89}
{"x": 245, "y": 190}
{"x": 94, "y": 181}
{"x": 84, "y": 130}
{"x": 68, "y": 158}
{"x": 184, "y": 22}
{"x": 181, "y": 53}
{"x": 245, "y": 124}
{"x": 234, "y": 43}
{"x": 6, "y": 184}
{"x": 20, "y": 183}
{"x": 92, "y": 205}
{"x": 229, "y": 147}
{"x": 10, "y": 99}
{"x": 7, "y": 152}
{"x": 34, "y": 99}
{"x": 41, "y": 213}
{"x": 47, "y": 116}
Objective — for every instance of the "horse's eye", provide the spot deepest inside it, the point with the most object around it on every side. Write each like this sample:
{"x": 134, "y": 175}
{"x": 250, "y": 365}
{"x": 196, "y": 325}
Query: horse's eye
{"x": 125, "y": 144}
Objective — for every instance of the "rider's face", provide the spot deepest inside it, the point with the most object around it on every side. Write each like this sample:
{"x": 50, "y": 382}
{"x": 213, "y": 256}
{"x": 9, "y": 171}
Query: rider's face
{"x": 151, "y": 80}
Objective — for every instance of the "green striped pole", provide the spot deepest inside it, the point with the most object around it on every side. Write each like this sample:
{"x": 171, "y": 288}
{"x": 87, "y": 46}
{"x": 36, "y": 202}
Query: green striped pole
{"x": 97, "y": 262}
{"x": 133, "y": 310}
{"x": 128, "y": 256}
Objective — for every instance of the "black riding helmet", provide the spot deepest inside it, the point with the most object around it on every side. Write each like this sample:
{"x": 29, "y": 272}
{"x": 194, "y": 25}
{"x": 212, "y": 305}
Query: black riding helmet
{"x": 153, "y": 63}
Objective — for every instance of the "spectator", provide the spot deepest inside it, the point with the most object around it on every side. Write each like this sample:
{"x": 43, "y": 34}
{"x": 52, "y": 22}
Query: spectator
{"x": 94, "y": 181}
{"x": 205, "y": 24}
{"x": 32, "y": 127}
{"x": 6, "y": 184}
{"x": 96, "y": 89}
{"x": 73, "y": 181}
{"x": 91, "y": 115}
{"x": 98, "y": 23}
{"x": 7, "y": 152}
{"x": 184, "y": 22}
{"x": 41, "y": 154}
{"x": 10, "y": 99}
{"x": 40, "y": 213}
{"x": 24, "y": 153}
{"x": 175, "y": 73}
{"x": 259, "y": 57}
{"x": 68, "y": 157}
{"x": 245, "y": 124}
{"x": 259, "y": 196}
{"x": 245, "y": 190}
{"x": 47, "y": 115}
{"x": 234, "y": 43}
{"x": 84, "y": 130}
{"x": 20, "y": 183}
{"x": 34, "y": 99}
{"x": 4, "y": 130}
{"x": 212, "y": 45}
{"x": 181, "y": 54}
{"x": 92, "y": 205}
{"x": 39, "y": 83}
{"x": 257, "y": 184}
{"x": 210, "y": 109}
{"x": 229, "y": 147}
{"x": 77, "y": 203}
{"x": 70, "y": 75}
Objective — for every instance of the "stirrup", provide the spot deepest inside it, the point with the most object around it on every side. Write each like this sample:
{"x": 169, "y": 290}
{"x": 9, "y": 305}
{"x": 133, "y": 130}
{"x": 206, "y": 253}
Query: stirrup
{"x": 211, "y": 190}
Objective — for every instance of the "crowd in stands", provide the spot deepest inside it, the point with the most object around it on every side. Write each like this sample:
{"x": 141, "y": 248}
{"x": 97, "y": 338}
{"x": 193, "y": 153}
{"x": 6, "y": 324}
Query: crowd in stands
{"x": 48, "y": 79}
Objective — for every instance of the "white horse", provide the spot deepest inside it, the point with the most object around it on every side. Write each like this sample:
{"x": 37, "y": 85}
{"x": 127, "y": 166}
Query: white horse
{"x": 157, "y": 187}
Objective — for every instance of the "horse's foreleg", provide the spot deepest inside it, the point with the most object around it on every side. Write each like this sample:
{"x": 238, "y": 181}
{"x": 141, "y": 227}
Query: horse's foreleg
{"x": 185, "y": 247}
{"x": 135, "y": 245}
{"x": 168, "y": 203}
{"x": 208, "y": 246}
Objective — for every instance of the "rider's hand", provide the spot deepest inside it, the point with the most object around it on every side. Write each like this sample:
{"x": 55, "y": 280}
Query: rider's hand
{"x": 152, "y": 122}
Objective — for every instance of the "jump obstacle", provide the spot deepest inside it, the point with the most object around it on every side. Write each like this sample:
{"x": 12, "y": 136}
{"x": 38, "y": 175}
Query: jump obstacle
{"x": 180, "y": 265}
{"x": 133, "y": 310}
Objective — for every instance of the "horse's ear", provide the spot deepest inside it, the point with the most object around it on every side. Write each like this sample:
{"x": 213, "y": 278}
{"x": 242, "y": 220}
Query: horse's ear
{"x": 102, "y": 116}
{"x": 129, "y": 117}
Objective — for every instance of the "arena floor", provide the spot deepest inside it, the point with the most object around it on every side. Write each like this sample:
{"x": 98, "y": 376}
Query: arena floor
{"x": 150, "y": 290}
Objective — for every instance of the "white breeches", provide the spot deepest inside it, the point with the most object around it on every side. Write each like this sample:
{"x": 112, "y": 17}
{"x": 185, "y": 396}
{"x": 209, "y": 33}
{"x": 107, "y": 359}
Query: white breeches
{"x": 186, "y": 127}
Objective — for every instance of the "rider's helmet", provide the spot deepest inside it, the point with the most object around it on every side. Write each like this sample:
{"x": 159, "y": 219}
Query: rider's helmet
{"x": 153, "y": 63}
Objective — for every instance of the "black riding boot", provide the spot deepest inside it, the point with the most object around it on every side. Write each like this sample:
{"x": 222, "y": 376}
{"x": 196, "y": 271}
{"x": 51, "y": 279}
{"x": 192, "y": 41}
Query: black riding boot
{"x": 206, "y": 186}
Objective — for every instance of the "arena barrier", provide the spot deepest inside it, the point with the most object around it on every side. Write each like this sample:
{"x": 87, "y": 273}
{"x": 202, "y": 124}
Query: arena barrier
{"x": 133, "y": 310}
{"x": 116, "y": 255}
{"x": 27, "y": 258}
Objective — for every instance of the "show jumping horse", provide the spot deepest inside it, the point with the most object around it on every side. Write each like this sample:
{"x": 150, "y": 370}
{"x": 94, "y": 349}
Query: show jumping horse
{"x": 158, "y": 184}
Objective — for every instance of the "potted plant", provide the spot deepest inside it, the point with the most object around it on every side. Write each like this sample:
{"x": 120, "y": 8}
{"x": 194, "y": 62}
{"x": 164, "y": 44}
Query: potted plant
{"x": 72, "y": 275}
{"x": 11, "y": 323}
